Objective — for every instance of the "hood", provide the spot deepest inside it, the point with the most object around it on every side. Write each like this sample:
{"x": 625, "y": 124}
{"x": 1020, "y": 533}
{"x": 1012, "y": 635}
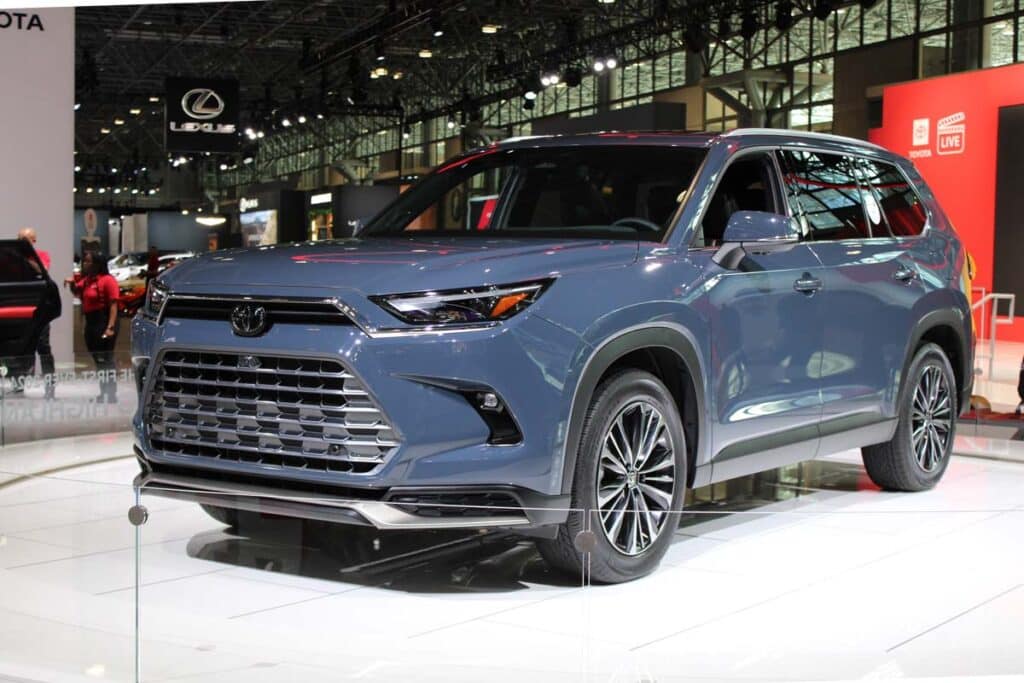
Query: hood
{"x": 393, "y": 265}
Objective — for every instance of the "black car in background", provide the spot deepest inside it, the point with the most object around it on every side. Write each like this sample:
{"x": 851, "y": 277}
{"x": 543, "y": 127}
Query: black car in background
{"x": 29, "y": 299}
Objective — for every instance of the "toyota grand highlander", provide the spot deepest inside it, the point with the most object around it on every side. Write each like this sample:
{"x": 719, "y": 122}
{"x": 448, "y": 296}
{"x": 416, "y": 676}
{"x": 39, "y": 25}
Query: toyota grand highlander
{"x": 564, "y": 334}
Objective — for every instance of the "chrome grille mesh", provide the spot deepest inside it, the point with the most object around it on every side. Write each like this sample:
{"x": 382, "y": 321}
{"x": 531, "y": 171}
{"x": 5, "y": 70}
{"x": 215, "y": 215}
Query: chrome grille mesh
{"x": 304, "y": 413}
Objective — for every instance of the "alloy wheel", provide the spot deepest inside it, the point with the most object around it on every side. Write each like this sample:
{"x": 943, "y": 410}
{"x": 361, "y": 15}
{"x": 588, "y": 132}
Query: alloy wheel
{"x": 636, "y": 478}
{"x": 931, "y": 418}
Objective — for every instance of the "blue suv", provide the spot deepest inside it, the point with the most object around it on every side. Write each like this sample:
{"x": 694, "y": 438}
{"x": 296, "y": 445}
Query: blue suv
{"x": 560, "y": 335}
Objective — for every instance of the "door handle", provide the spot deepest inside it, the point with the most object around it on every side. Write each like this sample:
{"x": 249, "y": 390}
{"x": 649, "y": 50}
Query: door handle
{"x": 807, "y": 284}
{"x": 905, "y": 273}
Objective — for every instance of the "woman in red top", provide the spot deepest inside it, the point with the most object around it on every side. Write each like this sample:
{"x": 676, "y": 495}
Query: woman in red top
{"x": 99, "y": 292}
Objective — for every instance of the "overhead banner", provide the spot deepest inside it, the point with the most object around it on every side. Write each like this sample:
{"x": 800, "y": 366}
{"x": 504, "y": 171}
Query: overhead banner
{"x": 201, "y": 115}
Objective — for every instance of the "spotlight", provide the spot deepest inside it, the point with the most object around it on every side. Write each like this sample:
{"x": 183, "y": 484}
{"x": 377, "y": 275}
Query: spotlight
{"x": 611, "y": 62}
{"x": 724, "y": 28}
{"x": 113, "y": 169}
{"x": 320, "y": 116}
{"x": 437, "y": 26}
{"x": 154, "y": 98}
{"x": 784, "y": 15}
{"x": 104, "y": 130}
{"x": 247, "y": 160}
{"x": 88, "y": 190}
{"x": 135, "y": 190}
{"x": 696, "y": 38}
{"x": 573, "y": 76}
{"x": 117, "y": 190}
{"x": 118, "y": 122}
{"x": 78, "y": 105}
{"x": 451, "y": 123}
{"x": 286, "y": 122}
{"x": 260, "y": 134}
{"x": 822, "y": 8}
{"x": 397, "y": 75}
{"x": 598, "y": 65}
{"x": 223, "y": 167}
{"x": 184, "y": 212}
{"x": 489, "y": 29}
{"x": 379, "y": 72}
{"x": 748, "y": 27}
{"x": 134, "y": 111}
{"x": 426, "y": 53}
{"x": 406, "y": 133}
{"x": 532, "y": 87}
{"x": 77, "y": 169}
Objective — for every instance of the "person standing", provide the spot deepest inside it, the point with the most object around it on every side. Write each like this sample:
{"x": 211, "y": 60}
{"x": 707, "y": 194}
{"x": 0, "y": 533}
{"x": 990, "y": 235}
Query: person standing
{"x": 99, "y": 293}
{"x": 43, "y": 347}
{"x": 152, "y": 264}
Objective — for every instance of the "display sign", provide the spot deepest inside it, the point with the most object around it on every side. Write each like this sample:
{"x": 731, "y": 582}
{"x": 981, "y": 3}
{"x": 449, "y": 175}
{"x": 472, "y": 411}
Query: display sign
{"x": 931, "y": 121}
{"x": 201, "y": 115}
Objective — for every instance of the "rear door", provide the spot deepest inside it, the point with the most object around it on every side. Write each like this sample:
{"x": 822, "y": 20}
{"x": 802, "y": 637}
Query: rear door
{"x": 871, "y": 283}
{"x": 29, "y": 299}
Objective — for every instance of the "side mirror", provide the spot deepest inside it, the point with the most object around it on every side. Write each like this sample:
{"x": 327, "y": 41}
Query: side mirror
{"x": 760, "y": 226}
{"x": 761, "y": 230}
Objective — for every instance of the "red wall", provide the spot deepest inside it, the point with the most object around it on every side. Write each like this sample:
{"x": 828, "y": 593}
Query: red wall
{"x": 958, "y": 161}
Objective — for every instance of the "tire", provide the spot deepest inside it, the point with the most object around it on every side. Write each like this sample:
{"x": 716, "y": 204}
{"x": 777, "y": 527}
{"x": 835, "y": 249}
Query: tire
{"x": 905, "y": 463}
{"x": 617, "y": 554}
{"x": 225, "y": 516}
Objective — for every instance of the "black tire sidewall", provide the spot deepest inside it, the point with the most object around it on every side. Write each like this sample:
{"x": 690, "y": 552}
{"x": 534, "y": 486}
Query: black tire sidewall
{"x": 929, "y": 355}
{"x": 607, "y": 563}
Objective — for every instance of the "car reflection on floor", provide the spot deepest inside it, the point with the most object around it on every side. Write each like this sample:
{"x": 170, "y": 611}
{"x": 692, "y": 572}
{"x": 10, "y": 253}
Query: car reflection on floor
{"x": 461, "y": 561}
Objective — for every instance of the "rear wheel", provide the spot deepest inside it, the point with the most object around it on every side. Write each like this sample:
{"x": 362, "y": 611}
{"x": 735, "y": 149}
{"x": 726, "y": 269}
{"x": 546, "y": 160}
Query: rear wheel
{"x": 630, "y": 478}
{"x": 918, "y": 454}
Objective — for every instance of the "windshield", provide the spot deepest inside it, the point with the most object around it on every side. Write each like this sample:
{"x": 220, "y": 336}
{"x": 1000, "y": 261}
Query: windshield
{"x": 584, "y": 191}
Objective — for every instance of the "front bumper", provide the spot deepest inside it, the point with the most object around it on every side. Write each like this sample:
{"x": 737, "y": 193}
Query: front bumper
{"x": 444, "y": 442}
{"x": 399, "y": 508}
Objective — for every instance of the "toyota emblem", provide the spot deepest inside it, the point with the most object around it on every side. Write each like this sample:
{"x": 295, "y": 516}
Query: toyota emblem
{"x": 202, "y": 104}
{"x": 249, "y": 320}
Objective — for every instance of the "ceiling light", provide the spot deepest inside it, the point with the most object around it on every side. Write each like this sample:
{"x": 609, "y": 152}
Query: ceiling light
{"x": 113, "y": 169}
{"x": 489, "y": 29}
{"x": 451, "y": 123}
{"x": 426, "y": 53}
{"x": 78, "y": 105}
{"x": 286, "y": 122}
{"x": 117, "y": 190}
{"x": 152, "y": 191}
{"x": 154, "y": 98}
{"x": 611, "y": 62}
{"x": 260, "y": 134}
{"x": 598, "y": 65}
{"x": 437, "y": 26}
{"x": 606, "y": 2}
{"x": 379, "y": 71}
{"x": 211, "y": 221}
{"x": 184, "y": 212}
{"x": 88, "y": 190}
{"x": 134, "y": 111}
{"x": 302, "y": 118}
{"x": 102, "y": 190}
{"x": 118, "y": 122}
{"x": 223, "y": 167}
{"x": 397, "y": 75}
{"x": 77, "y": 169}
{"x": 247, "y": 160}
{"x": 104, "y": 130}
{"x": 135, "y": 190}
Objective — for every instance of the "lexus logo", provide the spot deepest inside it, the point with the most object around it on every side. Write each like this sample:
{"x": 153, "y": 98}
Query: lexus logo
{"x": 249, "y": 320}
{"x": 202, "y": 104}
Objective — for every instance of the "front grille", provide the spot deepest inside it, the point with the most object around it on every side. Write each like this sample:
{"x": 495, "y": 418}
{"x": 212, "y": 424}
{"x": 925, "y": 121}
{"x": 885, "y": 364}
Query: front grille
{"x": 294, "y": 311}
{"x": 292, "y": 413}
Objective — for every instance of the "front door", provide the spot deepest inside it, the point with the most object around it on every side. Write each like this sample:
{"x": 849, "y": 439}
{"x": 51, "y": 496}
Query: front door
{"x": 766, "y": 338}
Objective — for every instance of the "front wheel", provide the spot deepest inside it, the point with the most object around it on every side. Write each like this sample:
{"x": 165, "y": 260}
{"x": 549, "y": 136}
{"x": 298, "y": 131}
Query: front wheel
{"x": 629, "y": 481}
{"x": 918, "y": 453}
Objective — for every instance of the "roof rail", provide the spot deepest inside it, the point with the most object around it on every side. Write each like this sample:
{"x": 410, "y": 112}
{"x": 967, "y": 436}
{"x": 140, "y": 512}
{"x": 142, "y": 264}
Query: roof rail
{"x": 739, "y": 132}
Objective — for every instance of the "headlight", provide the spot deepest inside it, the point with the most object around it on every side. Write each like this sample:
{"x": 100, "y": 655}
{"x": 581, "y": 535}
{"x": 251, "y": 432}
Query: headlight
{"x": 462, "y": 306}
{"x": 156, "y": 295}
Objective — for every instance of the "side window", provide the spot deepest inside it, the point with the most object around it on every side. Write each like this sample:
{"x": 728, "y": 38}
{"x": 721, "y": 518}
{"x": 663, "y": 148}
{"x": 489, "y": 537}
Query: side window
{"x": 900, "y": 204}
{"x": 746, "y": 186}
{"x": 824, "y": 195}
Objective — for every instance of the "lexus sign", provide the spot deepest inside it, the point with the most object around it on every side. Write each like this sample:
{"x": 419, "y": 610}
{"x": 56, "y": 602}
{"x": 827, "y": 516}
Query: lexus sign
{"x": 201, "y": 115}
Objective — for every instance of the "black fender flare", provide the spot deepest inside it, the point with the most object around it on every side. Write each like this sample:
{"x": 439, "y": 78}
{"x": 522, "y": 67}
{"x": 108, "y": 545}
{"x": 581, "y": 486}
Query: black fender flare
{"x": 653, "y": 335}
{"x": 954, "y": 319}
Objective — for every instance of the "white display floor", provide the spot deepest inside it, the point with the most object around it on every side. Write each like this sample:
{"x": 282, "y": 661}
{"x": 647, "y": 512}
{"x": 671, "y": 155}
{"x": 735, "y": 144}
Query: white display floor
{"x": 806, "y": 573}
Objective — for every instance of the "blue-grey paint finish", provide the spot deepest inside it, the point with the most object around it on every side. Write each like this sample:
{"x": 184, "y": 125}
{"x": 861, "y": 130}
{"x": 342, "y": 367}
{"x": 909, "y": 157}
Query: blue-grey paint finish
{"x": 772, "y": 361}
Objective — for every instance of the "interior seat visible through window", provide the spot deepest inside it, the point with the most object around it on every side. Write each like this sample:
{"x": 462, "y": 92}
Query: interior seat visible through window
{"x": 746, "y": 186}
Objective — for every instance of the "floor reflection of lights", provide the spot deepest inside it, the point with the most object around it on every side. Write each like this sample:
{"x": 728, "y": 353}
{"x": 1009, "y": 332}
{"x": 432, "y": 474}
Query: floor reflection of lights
{"x": 799, "y": 573}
